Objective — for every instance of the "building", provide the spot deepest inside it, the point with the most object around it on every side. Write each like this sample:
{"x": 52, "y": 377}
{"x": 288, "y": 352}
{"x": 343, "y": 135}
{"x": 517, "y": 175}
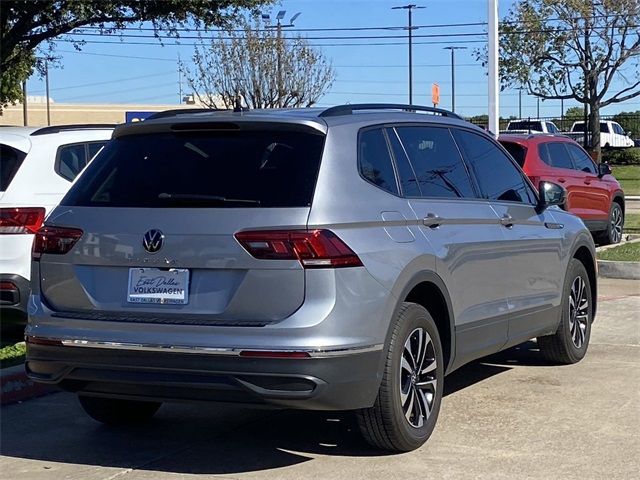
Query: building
{"x": 74, "y": 113}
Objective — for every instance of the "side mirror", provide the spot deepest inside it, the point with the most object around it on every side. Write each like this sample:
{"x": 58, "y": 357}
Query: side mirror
{"x": 629, "y": 133}
{"x": 551, "y": 194}
{"x": 604, "y": 169}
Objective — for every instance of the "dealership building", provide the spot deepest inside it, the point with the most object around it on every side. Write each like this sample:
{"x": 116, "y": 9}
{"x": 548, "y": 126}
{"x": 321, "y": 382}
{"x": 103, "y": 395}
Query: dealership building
{"x": 74, "y": 113}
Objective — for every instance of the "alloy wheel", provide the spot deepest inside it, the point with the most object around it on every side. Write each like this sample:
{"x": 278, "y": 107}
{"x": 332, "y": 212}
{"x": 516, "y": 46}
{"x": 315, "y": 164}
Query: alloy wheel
{"x": 616, "y": 225}
{"x": 578, "y": 311}
{"x": 418, "y": 382}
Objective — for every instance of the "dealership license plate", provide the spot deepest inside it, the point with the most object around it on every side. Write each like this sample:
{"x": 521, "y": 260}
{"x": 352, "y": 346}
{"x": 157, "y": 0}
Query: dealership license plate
{"x": 153, "y": 285}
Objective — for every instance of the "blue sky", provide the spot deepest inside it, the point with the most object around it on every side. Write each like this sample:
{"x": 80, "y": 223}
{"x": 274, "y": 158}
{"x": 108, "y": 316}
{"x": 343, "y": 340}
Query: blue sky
{"x": 107, "y": 73}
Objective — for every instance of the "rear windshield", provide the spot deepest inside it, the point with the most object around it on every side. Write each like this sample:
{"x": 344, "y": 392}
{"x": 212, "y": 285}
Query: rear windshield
{"x": 518, "y": 152}
{"x": 525, "y": 125}
{"x": 10, "y": 161}
{"x": 245, "y": 168}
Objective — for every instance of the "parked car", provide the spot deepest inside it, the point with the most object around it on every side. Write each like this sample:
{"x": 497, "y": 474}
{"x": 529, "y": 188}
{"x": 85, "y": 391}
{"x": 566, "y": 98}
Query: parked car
{"x": 531, "y": 126}
{"x": 37, "y": 168}
{"x": 612, "y": 135}
{"x": 594, "y": 194}
{"x": 336, "y": 259}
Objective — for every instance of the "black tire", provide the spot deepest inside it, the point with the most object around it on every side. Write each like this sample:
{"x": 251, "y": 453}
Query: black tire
{"x": 385, "y": 425}
{"x": 564, "y": 346}
{"x": 113, "y": 411}
{"x": 615, "y": 226}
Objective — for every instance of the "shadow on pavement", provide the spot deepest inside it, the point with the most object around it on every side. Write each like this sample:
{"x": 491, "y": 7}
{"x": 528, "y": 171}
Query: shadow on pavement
{"x": 209, "y": 438}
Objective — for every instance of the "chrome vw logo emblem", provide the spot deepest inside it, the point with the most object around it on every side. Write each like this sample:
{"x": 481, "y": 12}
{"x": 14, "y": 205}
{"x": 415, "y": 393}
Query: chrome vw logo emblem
{"x": 152, "y": 240}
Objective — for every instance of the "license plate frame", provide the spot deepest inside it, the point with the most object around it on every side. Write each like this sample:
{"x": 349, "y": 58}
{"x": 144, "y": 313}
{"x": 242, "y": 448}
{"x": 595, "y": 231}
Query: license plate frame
{"x": 148, "y": 285}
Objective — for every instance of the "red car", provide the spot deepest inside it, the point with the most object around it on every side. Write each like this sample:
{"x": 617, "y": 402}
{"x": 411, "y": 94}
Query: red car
{"x": 594, "y": 194}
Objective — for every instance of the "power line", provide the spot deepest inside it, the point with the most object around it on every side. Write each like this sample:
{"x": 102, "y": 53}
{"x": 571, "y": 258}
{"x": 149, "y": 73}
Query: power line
{"x": 358, "y": 37}
{"x": 444, "y": 42}
{"x": 107, "y": 82}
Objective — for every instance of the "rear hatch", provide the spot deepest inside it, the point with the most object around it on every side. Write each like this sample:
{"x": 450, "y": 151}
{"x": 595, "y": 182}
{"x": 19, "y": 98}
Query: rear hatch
{"x": 158, "y": 213}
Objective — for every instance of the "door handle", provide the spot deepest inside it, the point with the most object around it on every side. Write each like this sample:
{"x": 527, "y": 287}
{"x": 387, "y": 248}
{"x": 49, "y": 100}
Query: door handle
{"x": 432, "y": 220}
{"x": 506, "y": 220}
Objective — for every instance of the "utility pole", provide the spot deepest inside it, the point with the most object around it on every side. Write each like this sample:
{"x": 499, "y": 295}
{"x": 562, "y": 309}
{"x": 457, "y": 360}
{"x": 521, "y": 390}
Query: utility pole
{"x": 279, "y": 47}
{"x": 410, "y": 9}
{"x": 520, "y": 102}
{"x": 494, "y": 80}
{"x": 25, "y": 118}
{"x": 179, "y": 80}
{"x": 46, "y": 84}
{"x": 453, "y": 75}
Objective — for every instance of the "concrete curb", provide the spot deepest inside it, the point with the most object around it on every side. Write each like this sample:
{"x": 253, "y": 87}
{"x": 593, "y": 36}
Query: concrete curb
{"x": 612, "y": 269}
{"x": 623, "y": 270}
{"x": 15, "y": 386}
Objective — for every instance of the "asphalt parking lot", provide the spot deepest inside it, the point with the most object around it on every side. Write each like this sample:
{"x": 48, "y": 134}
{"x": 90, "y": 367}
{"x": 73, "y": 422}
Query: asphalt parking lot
{"x": 506, "y": 416}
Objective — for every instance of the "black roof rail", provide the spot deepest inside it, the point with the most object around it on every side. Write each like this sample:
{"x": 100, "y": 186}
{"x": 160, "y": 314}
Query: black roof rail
{"x": 340, "y": 110}
{"x": 183, "y": 111}
{"x": 64, "y": 128}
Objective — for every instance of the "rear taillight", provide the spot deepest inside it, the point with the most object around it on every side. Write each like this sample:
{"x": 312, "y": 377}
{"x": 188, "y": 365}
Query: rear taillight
{"x": 55, "y": 240}
{"x": 21, "y": 219}
{"x": 314, "y": 249}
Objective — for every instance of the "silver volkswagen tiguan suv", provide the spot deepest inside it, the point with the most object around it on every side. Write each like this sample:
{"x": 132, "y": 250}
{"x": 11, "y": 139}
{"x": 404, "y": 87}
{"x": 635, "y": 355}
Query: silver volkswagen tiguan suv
{"x": 346, "y": 258}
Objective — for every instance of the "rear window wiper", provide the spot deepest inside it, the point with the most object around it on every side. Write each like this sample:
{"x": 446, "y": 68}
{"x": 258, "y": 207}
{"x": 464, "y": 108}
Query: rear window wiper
{"x": 192, "y": 197}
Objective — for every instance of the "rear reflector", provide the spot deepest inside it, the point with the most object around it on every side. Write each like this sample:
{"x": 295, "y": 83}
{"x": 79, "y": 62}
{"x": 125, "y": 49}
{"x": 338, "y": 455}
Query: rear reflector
{"x": 55, "y": 240}
{"x": 8, "y": 287}
{"x": 273, "y": 354}
{"x": 21, "y": 220}
{"x": 314, "y": 249}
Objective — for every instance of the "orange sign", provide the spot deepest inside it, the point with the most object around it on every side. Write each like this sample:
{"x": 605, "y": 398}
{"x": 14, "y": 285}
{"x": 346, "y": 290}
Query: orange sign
{"x": 435, "y": 94}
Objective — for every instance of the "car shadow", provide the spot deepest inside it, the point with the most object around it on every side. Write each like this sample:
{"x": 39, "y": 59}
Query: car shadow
{"x": 209, "y": 438}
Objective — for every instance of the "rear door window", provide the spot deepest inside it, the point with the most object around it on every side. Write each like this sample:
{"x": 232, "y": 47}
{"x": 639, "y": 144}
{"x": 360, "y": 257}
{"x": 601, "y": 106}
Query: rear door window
{"x": 10, "y": 161}
{"x": 71, "y": 159}
{"x": 555, "y": 155}
{"x": 497, "y": 175}
{"x": 374, "y": 160}
{"x": 407, "y": 177}
{"x": 436, "y": 161}
{"x": 581, "y": 160}
{"x": 220, "y": 168}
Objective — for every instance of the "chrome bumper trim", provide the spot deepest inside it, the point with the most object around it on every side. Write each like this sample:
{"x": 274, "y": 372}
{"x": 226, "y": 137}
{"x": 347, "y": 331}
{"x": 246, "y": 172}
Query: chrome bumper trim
{"x": 313, "y": 353}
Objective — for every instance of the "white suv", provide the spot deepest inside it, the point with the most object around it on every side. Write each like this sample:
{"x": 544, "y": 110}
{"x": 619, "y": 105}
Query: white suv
{"x": 37, "y": 167}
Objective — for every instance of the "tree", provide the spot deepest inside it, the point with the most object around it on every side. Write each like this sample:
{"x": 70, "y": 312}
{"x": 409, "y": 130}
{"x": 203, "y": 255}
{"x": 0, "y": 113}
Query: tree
{"x": 573, "y": 49}
{"x": 259, "y": 67}
{"x": 629, "y": 121}
{"x": 574, "y": 113}
{"x": 26, "y": 26}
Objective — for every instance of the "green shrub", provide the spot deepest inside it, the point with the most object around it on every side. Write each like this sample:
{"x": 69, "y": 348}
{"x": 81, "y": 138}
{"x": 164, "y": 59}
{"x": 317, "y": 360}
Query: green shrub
{"x": 622, "y": 156}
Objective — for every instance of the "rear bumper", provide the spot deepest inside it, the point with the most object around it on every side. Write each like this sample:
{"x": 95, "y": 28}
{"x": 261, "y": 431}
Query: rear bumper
{"x": 342, "y": 381}
{"x": 13, "y": 302}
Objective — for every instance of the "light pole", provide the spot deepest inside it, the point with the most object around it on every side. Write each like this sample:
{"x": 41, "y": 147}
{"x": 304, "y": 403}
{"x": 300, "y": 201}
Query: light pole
{"x": 279, "y": 26}
{"x": 453, "y": 75}
{"x": 410, "y": 9}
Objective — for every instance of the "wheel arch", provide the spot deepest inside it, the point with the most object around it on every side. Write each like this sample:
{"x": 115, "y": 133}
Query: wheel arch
{"x": 428, "y": 290}
{"x": 618, "y": 197}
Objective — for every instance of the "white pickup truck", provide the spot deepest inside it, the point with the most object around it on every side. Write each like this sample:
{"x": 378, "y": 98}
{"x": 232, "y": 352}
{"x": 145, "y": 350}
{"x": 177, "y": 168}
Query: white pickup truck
{"x": 531, "y": 126}
{"x": 612, "y": 135}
